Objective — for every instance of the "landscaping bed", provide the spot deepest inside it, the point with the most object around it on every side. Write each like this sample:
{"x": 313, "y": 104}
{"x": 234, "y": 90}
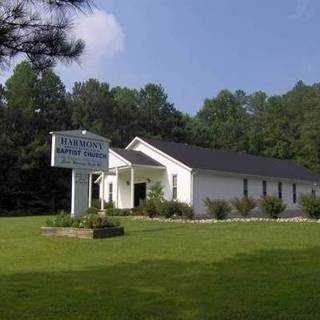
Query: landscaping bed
{"x": 83, "y": 233}
{"x": 229, "y": 220}
{"x": 90, "y": 225}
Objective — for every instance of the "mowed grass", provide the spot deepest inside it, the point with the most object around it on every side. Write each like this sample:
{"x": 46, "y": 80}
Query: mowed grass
{"x": 161, "y": 271}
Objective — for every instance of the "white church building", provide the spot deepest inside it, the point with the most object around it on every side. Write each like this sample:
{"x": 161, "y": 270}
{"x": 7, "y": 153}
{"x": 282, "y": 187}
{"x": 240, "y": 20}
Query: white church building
{"x": 189, "y": 174}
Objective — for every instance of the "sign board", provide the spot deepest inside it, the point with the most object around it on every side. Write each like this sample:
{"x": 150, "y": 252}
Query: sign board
{"x": 79, "y": 149}
{"x": 83, "y": 152}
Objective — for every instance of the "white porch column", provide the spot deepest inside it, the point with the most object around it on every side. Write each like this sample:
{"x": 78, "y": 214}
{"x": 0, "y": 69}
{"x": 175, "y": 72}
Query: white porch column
{"x": 102, "y": 191}
{"x": 117, "y": 187}
{"x": 132, "y": 186}
{"x": 90, "y": 191}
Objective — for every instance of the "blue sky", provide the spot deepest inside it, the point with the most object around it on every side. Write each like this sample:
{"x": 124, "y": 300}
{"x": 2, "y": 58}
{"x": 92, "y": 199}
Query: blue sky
{"x": 195, "y": 48}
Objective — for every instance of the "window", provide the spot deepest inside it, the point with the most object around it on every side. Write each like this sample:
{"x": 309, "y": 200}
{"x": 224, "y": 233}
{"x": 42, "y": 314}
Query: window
{"x": 280, "y": 190}
{"x": 245, "y": 187}
{"x": 264, "y": 188}
{"x": 174, "y": 186}
{"x": 294, "y": 193}
{"x": 110, "y": 193}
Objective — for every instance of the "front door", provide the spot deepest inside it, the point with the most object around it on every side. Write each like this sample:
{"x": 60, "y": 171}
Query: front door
{"x": 140, "y": 190}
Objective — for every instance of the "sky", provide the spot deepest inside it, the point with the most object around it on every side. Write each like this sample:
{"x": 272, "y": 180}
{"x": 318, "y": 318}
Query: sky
{"x": 195, "y": 48}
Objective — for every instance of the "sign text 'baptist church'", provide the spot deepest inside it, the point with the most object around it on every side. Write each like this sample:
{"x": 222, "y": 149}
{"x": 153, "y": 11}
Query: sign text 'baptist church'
{"x": 79, "y": 151}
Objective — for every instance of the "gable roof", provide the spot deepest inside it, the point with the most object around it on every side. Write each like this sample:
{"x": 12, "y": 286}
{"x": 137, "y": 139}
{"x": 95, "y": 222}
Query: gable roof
{"x": 136, "y": 157}
{"x": 233, "y": 162}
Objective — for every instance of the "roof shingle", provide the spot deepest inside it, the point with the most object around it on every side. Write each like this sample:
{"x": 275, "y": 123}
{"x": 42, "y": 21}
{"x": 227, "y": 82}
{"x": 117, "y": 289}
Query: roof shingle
{"x": 136, "y": 157}
{"x": 235, "y": 162}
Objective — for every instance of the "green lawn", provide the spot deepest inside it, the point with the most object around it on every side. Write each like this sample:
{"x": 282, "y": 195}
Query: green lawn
{"x": 161, "y": 271}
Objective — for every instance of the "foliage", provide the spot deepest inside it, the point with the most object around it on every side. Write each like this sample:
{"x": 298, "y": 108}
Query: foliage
{"x": 40, "y": 30}
{"x": 121, "y": 212}
{"x": 63, "y": 219}
{"x": 87, "y": 221}
{"x": 156, "y": 191}
{"x": 272, "y": 206}
{"x": 173, "y": 208}
{"x": 32, "y": 103}
{"x": 96, "y": 203}
{"x": 217, "y": 208}
{"x": 149, "y": 207}
{"x": 310, "y": 205}
{"x": 92, "y": 210}
{"x": 244, "y": 205}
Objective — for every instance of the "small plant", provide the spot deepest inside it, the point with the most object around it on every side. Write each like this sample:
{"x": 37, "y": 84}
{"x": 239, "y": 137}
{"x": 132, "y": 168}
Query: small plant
{"x": 109, "y": 209}
{"x": 272, "y": 206}
{"x": 310, "y": 205}
{"x": 92, "y": 210}
{"x": 149, "y": 207}
{"x": 63, "y": 219}
{"x": 156, "y": 191}
{"x": 96, "y": 203}
{"x": 244, "y": 205}
{"x": 120, "y": 212}
{"x": 217, "y": 208}
{"x": 173, "y": 208}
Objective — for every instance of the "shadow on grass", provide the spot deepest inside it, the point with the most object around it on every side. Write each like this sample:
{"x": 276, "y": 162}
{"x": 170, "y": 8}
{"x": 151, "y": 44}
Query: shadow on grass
{"x": 279, "y": 284}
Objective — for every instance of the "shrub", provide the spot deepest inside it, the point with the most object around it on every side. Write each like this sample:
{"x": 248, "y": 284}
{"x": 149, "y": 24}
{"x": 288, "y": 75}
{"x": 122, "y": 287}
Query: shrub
{"x": 149, "y": 207}
{"x": 217, "y": 208}
{"x": 109, "y": 208}
{"x": 272, "y": 206}
{"x": 63, "y": 219}
{"x": 87, "y": 221}
{"x": 156, "y": 191}
{"x": 111, "y": 222}
{"x": 244, "y": 205}
{"x": 120, "y": 212}
{"x": 96, "y": 203}
{"x": 174, "y": 208}
{"x": 310, "y": 205}
{"x": 92, "y": 210}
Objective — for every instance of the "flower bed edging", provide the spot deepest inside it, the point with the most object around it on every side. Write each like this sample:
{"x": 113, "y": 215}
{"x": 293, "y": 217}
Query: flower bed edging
{"x": 233, "y": 220}
{"x": 83, "y": 233}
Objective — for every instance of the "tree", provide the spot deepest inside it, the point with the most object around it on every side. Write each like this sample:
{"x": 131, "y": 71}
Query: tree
{"x": 158, "y": 117}
{"x": 222, "y": 121}
{"x": 39, "y": 29}
{"x": 35, "y": 104}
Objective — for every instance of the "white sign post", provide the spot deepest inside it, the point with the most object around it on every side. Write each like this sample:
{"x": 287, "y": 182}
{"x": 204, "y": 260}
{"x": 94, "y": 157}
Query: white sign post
{"x": 83, "y": 152}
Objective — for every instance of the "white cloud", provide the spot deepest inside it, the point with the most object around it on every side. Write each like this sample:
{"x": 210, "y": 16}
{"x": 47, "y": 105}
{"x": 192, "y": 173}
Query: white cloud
{"x": 102, "y": 34}
{"x": 301, "y": 10}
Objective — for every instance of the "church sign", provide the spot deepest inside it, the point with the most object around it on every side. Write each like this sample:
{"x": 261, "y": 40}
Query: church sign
{"x": 79, "y": 149}
{"x": 83, "y": 152}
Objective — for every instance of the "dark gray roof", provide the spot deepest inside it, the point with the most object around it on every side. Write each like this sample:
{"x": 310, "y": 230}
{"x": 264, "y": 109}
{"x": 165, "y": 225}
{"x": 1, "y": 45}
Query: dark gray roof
{"x": 235, "y": 162}
{"x": 136, "y": 157}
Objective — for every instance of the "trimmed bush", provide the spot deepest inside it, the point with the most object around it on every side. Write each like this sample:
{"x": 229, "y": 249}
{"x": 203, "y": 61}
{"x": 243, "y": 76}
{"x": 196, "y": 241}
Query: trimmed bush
{"x": 96, "y": 203}
{"x": 272, "y": 206}
{"x": 173, "y": 208}
{"x": 244, "y": 205}
{"x": 217, "y": 208}
{"x": 310, "y": 205}
{"x": 109, "y": 208}
{"x": 92, "y": 210}
{"x": 120, "y": 212}
{"x": 149, "y": 207}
